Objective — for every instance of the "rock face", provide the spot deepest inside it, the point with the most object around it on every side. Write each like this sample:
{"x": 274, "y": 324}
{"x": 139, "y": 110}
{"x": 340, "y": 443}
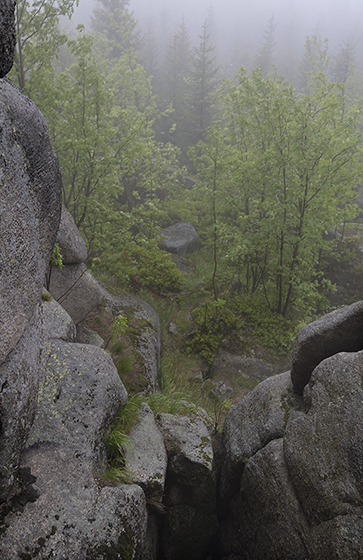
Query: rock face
{"x": 251, "y": 370}
{"x": 190, "y": 494}
{"x": 30, "y": 192}
{"x": 146, "y": 334}
{"x": 75, "y": 289}
{"x": 7, "y": 36}
{"x": 72, "y": 246}
{"x": 341, "y": 330}
{"x": 291, "y": 482}
{"x": 180, "y": 239}
{"x": 68, "y": 513}
{"x": 148, "y": 469}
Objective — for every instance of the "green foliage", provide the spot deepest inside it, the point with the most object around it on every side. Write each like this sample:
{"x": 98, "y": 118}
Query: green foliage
{"x": 124, "y": 365}
{"x": 38, "y": 40}
{"x": 57, "y": 259}
{"x": 119, "y": 327}
{"x": 214, "y": 320}
{"x": 270, "y": 328}
{"x": 293, "y": 165}
{"x": 141, "y": 265}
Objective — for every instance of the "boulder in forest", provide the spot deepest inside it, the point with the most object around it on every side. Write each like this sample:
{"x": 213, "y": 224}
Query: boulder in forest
{"x": 190, "y": 495}
{"x": 180, "y": 239}
{"x": 72, "y": 246}
{"x": 30, "y": 194}
{"x": 144, "y": 333}
{"x": 148, "y": 469}
{"x": 75, "y": 289}
{"x": 250, "y": 369}
{"x": 70, "y": 510}
{"x": 7, "y": 36}
{"x": 55, "y": 321}
{"x": 254, "y": 421}
{"x": 338, "y": 331}
{"x": 296, "y": 490}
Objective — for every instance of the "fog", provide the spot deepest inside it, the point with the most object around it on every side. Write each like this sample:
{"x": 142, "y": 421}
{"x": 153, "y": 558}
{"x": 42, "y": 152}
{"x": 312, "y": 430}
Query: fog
{"x": 241, "y": 23}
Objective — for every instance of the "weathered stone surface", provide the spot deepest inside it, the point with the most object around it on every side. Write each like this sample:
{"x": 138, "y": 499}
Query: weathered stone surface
{"x": 72, "y": 246}
{"x": 30, "y": 210}
{"x": 180, "y": 239}
{"x": 265, "y": 520}
{"x": 190, "y": 496}
{"x": 189, "y": 447}
{"x": 300, "y": 494}
{"x": 19, "y": 377}
{"x": 147, "y": 334}
{"x": 79, "y": 396}
{"x": 76, "y": 290}
{"x": 257, "y": 419}
{"x": 338, "y": 331}
{"x": 7, "y": 36}
{"x": 72, "y": 517}
{"x": 56, "y": 323}
{"x": 147, "y": 459}
{"x": 324, "y": 448}
{"x": 29, "y": 130}
{"x": 70, "y": 514}
{"x": 87, "y": 336}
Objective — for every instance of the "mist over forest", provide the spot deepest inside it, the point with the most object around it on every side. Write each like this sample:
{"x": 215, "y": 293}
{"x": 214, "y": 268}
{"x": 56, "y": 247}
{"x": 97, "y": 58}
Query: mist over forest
{"x": 239, "y": 26}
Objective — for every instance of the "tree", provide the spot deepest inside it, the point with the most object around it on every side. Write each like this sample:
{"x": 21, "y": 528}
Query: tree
{"x": 38, "y": 38}
{"x": 265, "y": 56}
{"x": 315, "y": 62}
{"x": 210, "y": 161}
{"x": 117, "y": 24}
{"x": 174, "y": 90}
{"x": 203, "y": 82}
{"x": 295, "y": 164}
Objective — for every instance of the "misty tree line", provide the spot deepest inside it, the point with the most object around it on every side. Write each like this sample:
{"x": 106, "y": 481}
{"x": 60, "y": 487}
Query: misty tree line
{"x": 277, "y": 162}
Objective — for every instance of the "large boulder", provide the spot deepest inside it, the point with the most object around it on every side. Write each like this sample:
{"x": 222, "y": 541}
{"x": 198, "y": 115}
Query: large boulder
{"x": 180, "y": 239}
{"x": 67, "y": 510}
{"x": 7, "y": 36}
{"x": 249, "y": 369}
{"x": 190, "y": 494}
{"x": 72, "y": 246}
{"x": 260, "y": 417}
{"x": 30, "y": 204}
{"x": 147, "y": 469}
{"x": 55, "y": 321}
{"x": 144, "y": 333}
{"x": 296, "y": 492}
{"x": 338, "y": 331}
{"x": 75, "y": 289}
{"x": 30, "y": 191}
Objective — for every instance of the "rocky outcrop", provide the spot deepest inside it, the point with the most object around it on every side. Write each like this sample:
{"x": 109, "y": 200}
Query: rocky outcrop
{"x": 147, "y": 469}
{"x": 75, "y": 289}
{"x": 72, "y": 246}
{"x": 341, "y": 330}
{"x": 180, "y": 239}
{"x": 190, "y": 495}
{"x": 249, "y": 369}
{"x": 72, "y": 285}
{"x": 291, "y": 483}
{"x": 69, "y": 512}
{"x": 7, "y": 36}
{"x": 145, "y": 332}
{"x": 30, "y": 192}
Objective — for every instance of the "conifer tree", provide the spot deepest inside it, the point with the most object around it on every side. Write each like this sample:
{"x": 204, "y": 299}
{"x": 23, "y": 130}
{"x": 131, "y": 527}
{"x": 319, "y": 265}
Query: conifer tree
{"x": 203, "y": 83}
{"x": 265, "y": 57}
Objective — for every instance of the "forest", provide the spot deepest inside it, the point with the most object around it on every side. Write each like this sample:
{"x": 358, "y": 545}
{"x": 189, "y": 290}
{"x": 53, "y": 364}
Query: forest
{"x": 266, "y": 167}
